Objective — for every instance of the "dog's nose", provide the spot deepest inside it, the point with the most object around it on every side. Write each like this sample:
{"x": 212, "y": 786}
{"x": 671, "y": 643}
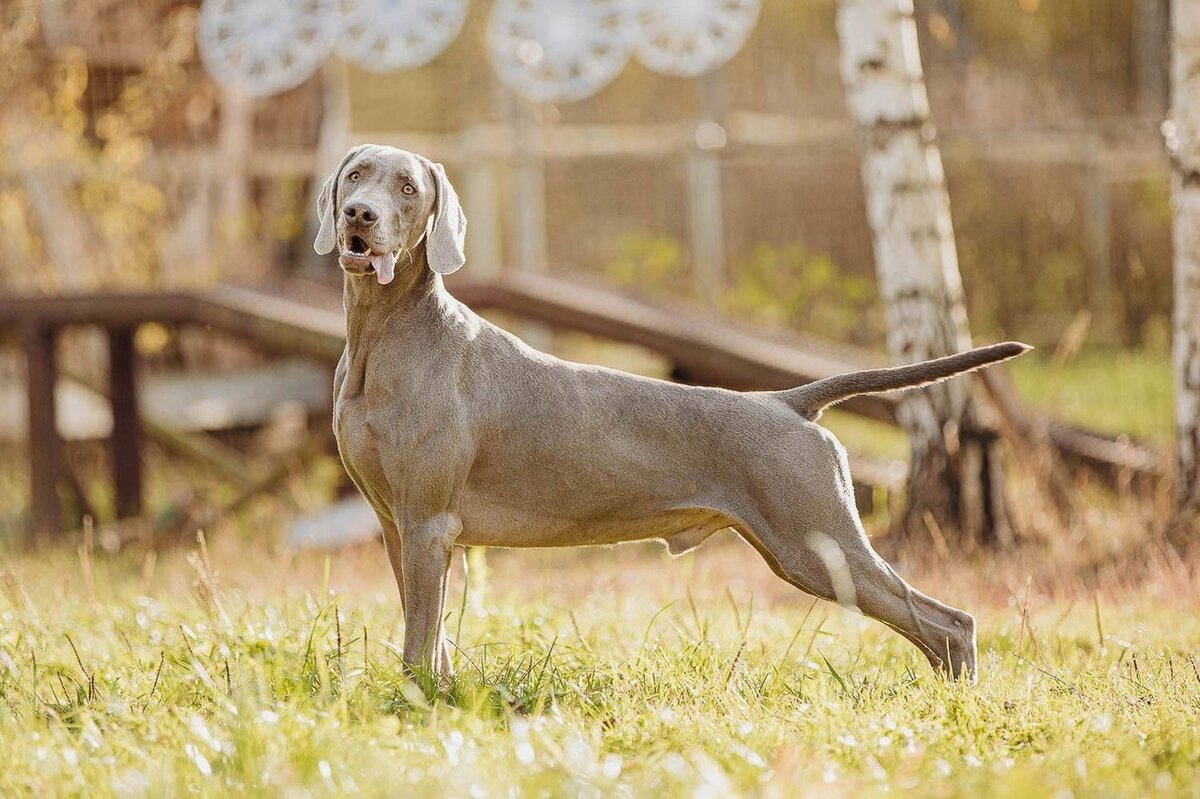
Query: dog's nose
{"x": 361, "y": 214}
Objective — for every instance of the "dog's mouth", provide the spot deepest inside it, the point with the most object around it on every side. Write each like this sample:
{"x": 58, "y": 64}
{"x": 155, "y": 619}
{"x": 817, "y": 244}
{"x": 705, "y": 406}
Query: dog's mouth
{"x": 358, "y": 257}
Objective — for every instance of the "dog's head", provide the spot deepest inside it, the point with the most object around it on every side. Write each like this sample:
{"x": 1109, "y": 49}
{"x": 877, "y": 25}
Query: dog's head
{"x": 381, "y": 205}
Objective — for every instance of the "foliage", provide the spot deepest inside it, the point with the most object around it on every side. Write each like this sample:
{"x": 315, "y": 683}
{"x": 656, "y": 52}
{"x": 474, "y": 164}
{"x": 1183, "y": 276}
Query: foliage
{"x": 653, "y": 264}
{"x": 785, "y": 286}
{"x": 792, "y": 285}
{"x": 76, "y": 204}
{"x": 125, "y": 686}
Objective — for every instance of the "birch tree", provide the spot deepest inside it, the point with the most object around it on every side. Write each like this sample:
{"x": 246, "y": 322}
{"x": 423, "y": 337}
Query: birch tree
{"x": 955, "y": 481}
{"x": 1183, "y": 143}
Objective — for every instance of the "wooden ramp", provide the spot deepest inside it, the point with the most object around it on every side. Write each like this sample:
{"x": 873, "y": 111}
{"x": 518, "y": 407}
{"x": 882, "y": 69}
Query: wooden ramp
{"x": 305, "y": 319}
{"x": 701, "y": 350}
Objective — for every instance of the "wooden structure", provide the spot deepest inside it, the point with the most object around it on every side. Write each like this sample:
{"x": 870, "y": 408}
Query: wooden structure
{"x": 305, "y": 320}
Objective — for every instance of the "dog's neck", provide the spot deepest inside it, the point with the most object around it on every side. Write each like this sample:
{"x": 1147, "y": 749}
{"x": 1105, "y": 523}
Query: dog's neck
{"x": 369, "y": 303}
{"x": 388, "y": 313}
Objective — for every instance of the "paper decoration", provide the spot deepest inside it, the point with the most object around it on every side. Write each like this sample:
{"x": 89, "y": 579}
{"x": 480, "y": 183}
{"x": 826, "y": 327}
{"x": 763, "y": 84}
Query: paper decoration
{"x": 561, "y": 50}
{"x": 394, "y": 35}
{"x": 265, "y": 47}
{"x": 687, "y": 38}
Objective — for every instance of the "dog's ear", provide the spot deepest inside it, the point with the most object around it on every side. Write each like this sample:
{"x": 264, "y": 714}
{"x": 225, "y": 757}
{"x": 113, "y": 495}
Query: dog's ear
{"x": 447, "y": 232}
{"x": 327, "y": 206}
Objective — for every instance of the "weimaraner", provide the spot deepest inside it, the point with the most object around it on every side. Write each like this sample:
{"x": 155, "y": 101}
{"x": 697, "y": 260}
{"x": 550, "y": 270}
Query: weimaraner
{"x": 460, "y": 434}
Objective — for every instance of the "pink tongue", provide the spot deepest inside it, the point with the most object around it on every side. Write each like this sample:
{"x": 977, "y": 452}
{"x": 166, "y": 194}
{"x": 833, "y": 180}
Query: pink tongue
{"x": 385, "y": 268}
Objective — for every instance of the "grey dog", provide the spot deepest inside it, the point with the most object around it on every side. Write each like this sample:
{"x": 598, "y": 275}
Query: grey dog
{"x": 460, "y": 434}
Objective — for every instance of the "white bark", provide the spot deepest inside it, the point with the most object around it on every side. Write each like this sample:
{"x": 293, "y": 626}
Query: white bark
{"x": 908, "y": 209}
{"x": 1183, "y": 142}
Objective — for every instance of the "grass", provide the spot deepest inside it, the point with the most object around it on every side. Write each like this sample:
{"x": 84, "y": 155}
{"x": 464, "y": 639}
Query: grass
{"x": 255, "y": 670}
{"x": 1115, "y": 391}
{"x": 595, "y": 673}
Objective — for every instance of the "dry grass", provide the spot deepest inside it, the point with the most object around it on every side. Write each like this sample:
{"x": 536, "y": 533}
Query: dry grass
{"x": 252, "y": 668}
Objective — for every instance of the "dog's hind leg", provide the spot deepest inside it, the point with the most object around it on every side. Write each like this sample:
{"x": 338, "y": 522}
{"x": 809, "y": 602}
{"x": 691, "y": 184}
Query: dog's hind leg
{"x": 853, "y": 575}
{"x": 822, "y": 548}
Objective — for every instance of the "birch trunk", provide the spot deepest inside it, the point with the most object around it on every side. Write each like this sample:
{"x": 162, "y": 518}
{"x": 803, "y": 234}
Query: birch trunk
{"x": 1183, "y": 143}
{"x": 956, "y": 478}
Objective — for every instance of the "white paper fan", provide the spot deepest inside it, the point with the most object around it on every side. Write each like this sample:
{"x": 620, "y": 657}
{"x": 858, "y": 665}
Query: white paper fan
{"x": 264, "y": 47}
{"x": 391, "y": 35}
{"x": 687, "y": 38}
{"x": 561, "y": 50}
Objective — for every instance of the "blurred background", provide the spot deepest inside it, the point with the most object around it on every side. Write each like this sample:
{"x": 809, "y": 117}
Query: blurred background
{"x": 143, "y": 151}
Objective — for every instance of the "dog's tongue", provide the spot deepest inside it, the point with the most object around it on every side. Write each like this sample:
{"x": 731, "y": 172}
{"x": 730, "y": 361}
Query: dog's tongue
{"x": 385, "y": 268}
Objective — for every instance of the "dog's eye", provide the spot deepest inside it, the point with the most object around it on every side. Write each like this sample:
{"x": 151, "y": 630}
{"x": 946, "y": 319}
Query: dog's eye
{"x": 353, "y": 177}
{"x": 409, "y": 189}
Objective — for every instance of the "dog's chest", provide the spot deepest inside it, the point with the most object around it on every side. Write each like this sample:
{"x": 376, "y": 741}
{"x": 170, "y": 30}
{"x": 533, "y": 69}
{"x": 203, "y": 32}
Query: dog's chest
{"x": 370, "y": 437}
{"x": 388, "y": 429}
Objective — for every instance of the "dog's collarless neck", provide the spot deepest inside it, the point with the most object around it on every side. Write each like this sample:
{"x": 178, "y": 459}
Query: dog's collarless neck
{"x": 364, "y": 297}
{"x": 372, "y": 308}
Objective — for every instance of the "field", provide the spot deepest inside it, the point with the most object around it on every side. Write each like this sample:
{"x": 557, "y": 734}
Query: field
{"x": 246, "y": 666}
{"x": 587, "y": 673}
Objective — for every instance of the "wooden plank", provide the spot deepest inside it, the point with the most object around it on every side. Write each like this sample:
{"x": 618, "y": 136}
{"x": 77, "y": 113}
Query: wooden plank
{"x": 126, "y": 440}
{"x": 709, "y": 352}
{"x": 45, "y": 449}
{"x": 1116, "y": 460}
{"x": 276, "y": 323}
{"x": 105, "y": 309}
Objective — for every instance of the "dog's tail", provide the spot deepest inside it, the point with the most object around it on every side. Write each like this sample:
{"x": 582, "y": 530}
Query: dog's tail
{"x": 811, "y": 399}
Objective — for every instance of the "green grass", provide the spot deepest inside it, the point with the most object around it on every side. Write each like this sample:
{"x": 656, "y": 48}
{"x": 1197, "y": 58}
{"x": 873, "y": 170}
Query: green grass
{"x": 112, "y": 683}
{"x": 1113, "y": 391}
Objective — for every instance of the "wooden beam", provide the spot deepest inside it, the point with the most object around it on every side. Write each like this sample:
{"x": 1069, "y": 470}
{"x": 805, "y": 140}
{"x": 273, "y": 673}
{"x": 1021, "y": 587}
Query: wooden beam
{"x": 104, "y": 309}
{"x": 279, "y": 324}
{"x": 200, "y": 448}
{"x": 45, "y": 448}
{"x": 126, "y": 441}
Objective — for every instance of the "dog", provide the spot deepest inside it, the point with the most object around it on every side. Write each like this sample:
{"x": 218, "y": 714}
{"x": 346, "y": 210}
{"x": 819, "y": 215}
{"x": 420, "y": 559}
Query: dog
{"x": 460, "y": 434}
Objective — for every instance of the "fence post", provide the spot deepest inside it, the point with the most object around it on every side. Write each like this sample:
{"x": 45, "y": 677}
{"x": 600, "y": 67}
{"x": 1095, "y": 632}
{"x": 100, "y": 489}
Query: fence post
{"x": 234, "y": 140}
{"x": 127, "y": 430}
{"x": 1098, "y": 235}
{"x": 481, "y": 201}
{"x": 529, "y": 187}
{"x": 528, "y": 202}
{"x": 1150, "y": 39}
{"x": 45, "y": 448}
{"x": 705, "y": 205}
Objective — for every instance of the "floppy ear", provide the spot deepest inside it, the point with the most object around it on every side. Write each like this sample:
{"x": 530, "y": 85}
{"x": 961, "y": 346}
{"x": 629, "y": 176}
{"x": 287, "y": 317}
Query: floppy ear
{"x": 448, "y": 227}
{"x": 327, "y": 206}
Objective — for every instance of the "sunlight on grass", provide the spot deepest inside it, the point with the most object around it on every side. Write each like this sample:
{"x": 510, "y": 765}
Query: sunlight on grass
{"x": 1113, "y": 391}
{"x": 121, "y": 693}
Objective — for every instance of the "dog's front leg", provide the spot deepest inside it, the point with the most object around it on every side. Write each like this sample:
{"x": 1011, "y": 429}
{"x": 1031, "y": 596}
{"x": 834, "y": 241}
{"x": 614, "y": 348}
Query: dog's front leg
{"x": 392, "y": 543}
{"x": 425, "y": 560}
